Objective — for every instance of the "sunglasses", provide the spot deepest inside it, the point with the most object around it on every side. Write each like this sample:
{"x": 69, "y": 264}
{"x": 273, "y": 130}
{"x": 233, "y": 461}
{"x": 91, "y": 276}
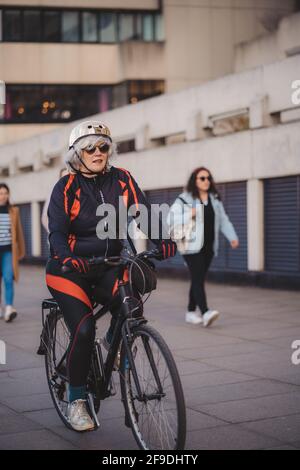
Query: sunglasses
{"x": 104, "y": 148}
{"x": 204, "y": 178}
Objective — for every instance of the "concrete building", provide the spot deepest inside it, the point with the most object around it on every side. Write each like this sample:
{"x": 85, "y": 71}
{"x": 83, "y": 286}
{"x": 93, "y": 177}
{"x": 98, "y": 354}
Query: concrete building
{"x": 63, "y": 60}
{"x": 244, "y": 126}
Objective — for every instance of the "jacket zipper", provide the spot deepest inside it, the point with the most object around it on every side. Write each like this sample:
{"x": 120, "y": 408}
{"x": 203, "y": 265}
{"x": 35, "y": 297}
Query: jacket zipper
{"x": 103, "y": 202}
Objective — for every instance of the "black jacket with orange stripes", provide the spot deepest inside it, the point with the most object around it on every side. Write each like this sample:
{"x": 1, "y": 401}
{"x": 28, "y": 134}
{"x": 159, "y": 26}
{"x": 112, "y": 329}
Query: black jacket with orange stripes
{"x": 73, "y": 218}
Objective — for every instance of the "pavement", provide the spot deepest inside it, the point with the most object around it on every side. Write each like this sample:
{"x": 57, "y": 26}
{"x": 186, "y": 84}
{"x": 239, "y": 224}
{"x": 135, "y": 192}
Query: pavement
{"x": 241, "y": 387}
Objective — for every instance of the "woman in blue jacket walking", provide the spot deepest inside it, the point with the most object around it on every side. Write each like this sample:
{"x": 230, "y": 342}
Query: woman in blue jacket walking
{"x": 198, "y": 255}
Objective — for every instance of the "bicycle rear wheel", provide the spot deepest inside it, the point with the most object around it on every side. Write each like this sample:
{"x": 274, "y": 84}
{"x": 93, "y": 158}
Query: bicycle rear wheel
{"x": 157, "y": 414}
{"x": 57, "y": 340}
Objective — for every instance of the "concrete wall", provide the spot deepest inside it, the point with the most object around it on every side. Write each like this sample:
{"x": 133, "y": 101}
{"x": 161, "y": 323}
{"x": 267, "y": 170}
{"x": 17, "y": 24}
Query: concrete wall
{"x": 261, "y": 94}
{"x": 75, "y": 64}
{"x": 285, "y": 41}
{"x": 202, "y": 35}
{"x": 13, "y": 132}
{"x": 189, "y": 111}
{"x": 258, "y": 154}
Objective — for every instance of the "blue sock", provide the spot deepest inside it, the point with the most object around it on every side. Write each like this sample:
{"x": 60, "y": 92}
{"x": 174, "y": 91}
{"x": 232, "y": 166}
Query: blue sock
{"x": 77, "y": 393}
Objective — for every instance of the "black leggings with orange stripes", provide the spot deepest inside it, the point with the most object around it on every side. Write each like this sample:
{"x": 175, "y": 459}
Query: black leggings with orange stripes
{"x": 73, "y": 292}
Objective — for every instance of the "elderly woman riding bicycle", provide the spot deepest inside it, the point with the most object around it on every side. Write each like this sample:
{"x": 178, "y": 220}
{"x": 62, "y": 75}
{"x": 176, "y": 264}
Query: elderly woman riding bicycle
{"x": 74, "y": 237}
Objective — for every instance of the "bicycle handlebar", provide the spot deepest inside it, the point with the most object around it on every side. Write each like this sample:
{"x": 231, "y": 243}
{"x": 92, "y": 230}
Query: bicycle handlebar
{"x": 117, "y": 260}
{"x": 98, "y": 260}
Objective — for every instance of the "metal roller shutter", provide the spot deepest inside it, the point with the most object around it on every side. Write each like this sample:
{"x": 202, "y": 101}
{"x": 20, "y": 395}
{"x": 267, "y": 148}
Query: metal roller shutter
{"x": 25, "y": 214}
{"x": 220, "y": 262}
{"x": 282, "y": 224}
{"x": 44, "y": 237}
{"x": 234, "y": 198}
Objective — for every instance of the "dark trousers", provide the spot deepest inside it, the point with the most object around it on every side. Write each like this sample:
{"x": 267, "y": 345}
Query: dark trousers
{"x": 198, "y": 265}
{"x": 73, "y": 292}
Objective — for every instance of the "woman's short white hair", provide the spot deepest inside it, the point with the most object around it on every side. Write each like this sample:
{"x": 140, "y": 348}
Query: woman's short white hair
{"x": 71, "y": 159}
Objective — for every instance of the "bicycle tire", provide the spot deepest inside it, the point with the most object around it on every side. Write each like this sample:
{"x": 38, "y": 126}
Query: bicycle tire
{"x": 135, "y": 416}
{"x": 60, "y": 404}
{"x": 51, "y": 323}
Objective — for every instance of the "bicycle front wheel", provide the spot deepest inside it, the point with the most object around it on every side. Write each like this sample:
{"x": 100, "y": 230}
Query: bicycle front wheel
{"x": 153, "y": 398}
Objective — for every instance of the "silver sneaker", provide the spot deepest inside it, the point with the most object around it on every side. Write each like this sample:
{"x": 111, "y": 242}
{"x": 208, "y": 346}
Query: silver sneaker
{"x": 79, "y": 417}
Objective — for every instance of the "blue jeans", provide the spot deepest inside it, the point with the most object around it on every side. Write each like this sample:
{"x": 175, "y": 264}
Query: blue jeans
{"x": 8, "y": 276}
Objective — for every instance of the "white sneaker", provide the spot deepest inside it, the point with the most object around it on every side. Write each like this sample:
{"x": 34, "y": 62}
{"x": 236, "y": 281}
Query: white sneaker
{"x": 193, "y": 317}
{"x": 79, "y": 417}
{"x": 209, "y": 317}
{"x": 10, "y": 313}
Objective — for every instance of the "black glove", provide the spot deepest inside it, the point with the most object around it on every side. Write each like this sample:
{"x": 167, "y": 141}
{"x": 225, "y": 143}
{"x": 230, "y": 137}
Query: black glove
{"x": 75, "y": 263}
{"x": 168, "y": 248}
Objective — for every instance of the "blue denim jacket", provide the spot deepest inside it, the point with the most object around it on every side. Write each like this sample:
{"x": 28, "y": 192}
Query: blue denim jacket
{"x": 222, "y": 222}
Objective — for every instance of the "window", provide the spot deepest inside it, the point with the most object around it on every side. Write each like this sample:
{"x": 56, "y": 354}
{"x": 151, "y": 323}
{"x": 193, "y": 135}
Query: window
{"x": 21, "y": 102}
{"x": 126, "y": 146}
{"x": 32, "y": 25}
{"x": 52, "y": 26}
{"x": 119, "y": 95}
{"x": 104, "y": 99}
{"x": 54, "y": 103}
{"x": 126, "y": 27}
{"x": 70, "y": 26}
{"x": 138, "y": 26}
{"x": 108, "y": 27}
{"x": 143, "y": 89}
{"x": 63, "y": 103}
{"x": 159, "y": 28}
{"x": 12, "y": 25}
{"x": 89, "y": 27}
{"x": 148, "y": 28}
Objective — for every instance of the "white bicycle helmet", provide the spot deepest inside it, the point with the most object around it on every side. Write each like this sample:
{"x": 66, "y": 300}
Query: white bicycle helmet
{"x": 87, "y": 128}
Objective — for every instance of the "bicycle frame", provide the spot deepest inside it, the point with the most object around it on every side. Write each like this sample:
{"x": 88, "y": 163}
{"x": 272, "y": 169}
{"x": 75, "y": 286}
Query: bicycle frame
{"x": 119, "y": 333}
{"x": 122, "y": 330}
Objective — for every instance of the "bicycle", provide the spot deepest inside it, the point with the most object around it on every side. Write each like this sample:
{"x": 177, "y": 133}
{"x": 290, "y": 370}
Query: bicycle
{"x": 151, "y": 389}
